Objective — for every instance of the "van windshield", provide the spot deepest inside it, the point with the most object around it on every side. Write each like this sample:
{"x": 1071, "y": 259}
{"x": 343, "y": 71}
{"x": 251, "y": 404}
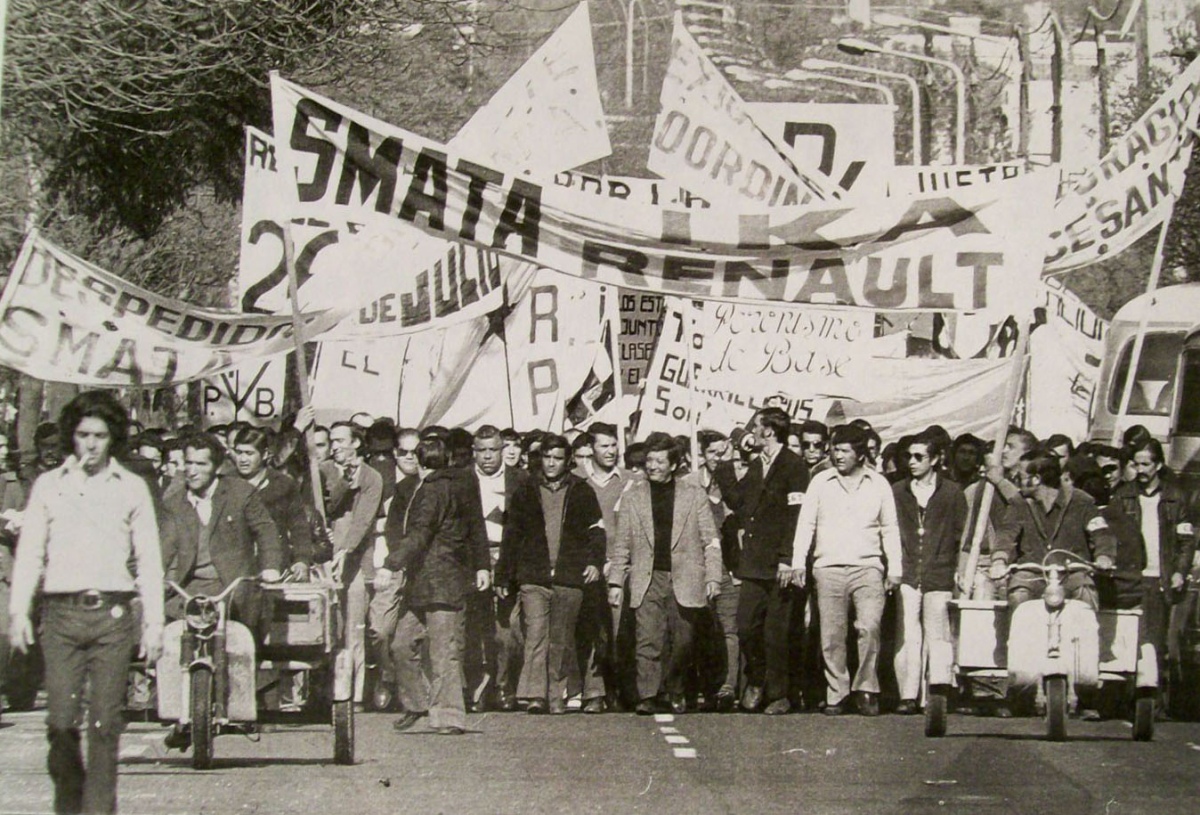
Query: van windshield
{"x": 1189, "y": 404}
{"x": 1154, "y": 385}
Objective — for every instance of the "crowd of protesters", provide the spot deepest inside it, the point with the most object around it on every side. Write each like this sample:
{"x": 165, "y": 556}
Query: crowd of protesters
{"x": 777, "y": 568}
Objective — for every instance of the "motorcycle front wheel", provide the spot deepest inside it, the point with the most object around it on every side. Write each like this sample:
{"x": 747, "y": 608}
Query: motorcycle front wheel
{"x": 202, "y": 709}
{"x": 1056, "y": 708}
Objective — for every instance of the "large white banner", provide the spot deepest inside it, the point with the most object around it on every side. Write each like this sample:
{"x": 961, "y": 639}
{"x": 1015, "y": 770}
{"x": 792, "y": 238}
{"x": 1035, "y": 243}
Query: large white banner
{"x": 973, "y": 250}
{"x": 517, "y": 368}
{"x": 904, "y": 395}
{"x": 672, "y": 396}
{"x": 705, "y": 138}
{"x": 1133, "y": 187}
{"x": 1065, "y": 352}
{"x": 548, "y": 115}
{"x": 63, "y": 319}
{"x": 852, "y": 145}
{"x": 353, "y": 376}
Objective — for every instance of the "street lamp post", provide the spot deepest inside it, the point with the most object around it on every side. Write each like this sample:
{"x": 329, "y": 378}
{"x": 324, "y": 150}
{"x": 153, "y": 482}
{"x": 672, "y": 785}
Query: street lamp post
{"x": 814, "y": 64}
{"x": 859, "y": 47}
{"x": 883, "y": 90}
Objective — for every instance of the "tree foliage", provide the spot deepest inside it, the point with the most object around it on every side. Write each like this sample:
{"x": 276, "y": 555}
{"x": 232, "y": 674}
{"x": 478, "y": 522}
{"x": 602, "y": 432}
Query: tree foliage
{"x": 124, "y": 108}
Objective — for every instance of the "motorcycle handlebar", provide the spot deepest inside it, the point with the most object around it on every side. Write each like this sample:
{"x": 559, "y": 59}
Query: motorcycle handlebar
{"x": 228, "y": 590}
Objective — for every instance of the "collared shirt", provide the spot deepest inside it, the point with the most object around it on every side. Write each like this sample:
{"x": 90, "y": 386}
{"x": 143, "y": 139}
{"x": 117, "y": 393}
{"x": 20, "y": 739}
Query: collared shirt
{"x": 202, "y": 502}
{"x": 80, "y": 533}
{"x": 257, "y": 481}
{"x": 491, "y": 494}
{"x": 847, "y": 522}
{"x": 768, "y": 459}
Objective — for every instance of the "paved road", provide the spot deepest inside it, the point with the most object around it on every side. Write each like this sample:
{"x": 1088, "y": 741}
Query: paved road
{"x": 514, "y": 763}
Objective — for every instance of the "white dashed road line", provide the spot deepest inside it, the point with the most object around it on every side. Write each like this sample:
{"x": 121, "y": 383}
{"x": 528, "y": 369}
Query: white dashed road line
{"x": 666, "y": 727}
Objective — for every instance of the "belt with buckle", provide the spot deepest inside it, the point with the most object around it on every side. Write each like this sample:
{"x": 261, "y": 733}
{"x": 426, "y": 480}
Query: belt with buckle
{"x": 92, "y": 599}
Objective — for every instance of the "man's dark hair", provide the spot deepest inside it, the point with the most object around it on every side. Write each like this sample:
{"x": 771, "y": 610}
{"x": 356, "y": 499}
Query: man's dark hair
{"x": 436, "y": 431}
{"x": 381, "y": 436}
{"x": 1135, "y": 434}
{"x": 862, "y": 424}
{"x": 487, "y": 433}
{"x": 47, "y": 430}
{"x": 431, "y": 453}
{"x": 1152, "y": 445}
{"x": 775, "y": 419}
{"x": 257, "y": 437}
{"x": 149, "y": 438}
{"x": 508, "y": 435}
{"x": 659, "y": 442}
{"x": 458, "y": 446}
{"x": 100, "y": 405}
{"x": 209, "y": 442}
{"x": 706, "y": 438}
{"x": 320, "y": 428}
{"x": 1105, "y": 451}
{"x": 554, "y": 441}
{"x": 357, "y": 434}
{"x": 1060, "y": 440}
{"x": 852, "y": 435}
{"x": 635, "y": 456}
{"x": 1028, "y": 440}
{"x": 579, "y": 442}
{"x": 813, "y": 427}
{"x": 603, "y": 429}
{"x": 935, "y": 445}
{"x": 1044, "y": 466}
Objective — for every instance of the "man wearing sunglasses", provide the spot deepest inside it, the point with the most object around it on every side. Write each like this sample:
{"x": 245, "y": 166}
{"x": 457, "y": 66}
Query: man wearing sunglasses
{"x": 386, "y": 607}
{"x": 814, "y": 446}
{"x": 932, "y": 512}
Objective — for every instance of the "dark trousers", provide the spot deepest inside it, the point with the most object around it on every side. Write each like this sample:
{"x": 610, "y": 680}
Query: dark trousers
{"x": 86, "y": 649}
{"x": 660, "y": 619}
{"x": 764, "y": 622}
{"x": 494, "y": 645}
{"x": 576, "y": 634}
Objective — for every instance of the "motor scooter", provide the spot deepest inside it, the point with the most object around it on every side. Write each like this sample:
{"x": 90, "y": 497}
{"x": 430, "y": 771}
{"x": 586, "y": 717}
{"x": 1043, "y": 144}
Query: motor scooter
{"x": 1054, "y": 647}
{"x": 207, "y": 672}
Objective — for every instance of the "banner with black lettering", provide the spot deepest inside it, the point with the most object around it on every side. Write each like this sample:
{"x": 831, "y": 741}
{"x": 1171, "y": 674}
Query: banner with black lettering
{"x": 1066, "y": 348}
{"x": 976, "y": 249}
{"x": 705, "y": 138}
{"x": 1132, "y": 188}
{"x": 251, "y": 392}
{"x": 851, "y": 144}
{"x": 63, "y": 319}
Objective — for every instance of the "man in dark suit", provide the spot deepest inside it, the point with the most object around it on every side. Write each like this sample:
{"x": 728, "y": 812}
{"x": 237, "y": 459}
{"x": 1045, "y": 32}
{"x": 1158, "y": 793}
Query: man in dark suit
{"x": 217, "y": 530}
{"x": 767, "y": 503}
{"x": 214, "y": 531}
{"x": 505, "y": 505}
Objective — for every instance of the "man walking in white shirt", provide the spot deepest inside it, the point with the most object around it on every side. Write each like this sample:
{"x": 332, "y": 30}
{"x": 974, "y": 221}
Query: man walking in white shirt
{"x": 848, "y": 524}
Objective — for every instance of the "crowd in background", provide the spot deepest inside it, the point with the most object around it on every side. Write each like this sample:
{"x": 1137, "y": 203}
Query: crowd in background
{"x": 777, "y": 568}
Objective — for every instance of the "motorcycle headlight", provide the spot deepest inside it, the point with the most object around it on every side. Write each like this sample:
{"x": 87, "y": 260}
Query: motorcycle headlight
{"x": 201, "y": 614}
{"x": 1054, "y": 596}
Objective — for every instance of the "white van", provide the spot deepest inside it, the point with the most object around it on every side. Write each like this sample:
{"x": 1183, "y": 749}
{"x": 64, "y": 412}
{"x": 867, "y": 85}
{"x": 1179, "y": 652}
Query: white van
{"x": 1175, "y": 310}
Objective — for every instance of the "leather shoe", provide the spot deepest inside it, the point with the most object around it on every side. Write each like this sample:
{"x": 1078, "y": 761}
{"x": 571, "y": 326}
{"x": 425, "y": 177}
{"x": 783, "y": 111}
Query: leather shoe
{"x": 1002, "y": 712}
{"x": 646, "y": 707}
{"x": 179, "y": 738}
{"x": 678, "y": 703}
{"x": 449, "y": 730}
{"x": 752, "y": 698}
{"x": 779, "y": 707}
{"x": 833, "y": 710}
{"x": 406, "y": 720}
{"x": 557, "y": 707}
{"x": 536, "y": 706}
{"x": 868, "y": 703}
{"x": 726, "y": 701}
{"x": 506, "y": 703}
{"x": 907, "y": 707}
{"x": 382, "y": 698}
{"x": 595, "y": 705}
